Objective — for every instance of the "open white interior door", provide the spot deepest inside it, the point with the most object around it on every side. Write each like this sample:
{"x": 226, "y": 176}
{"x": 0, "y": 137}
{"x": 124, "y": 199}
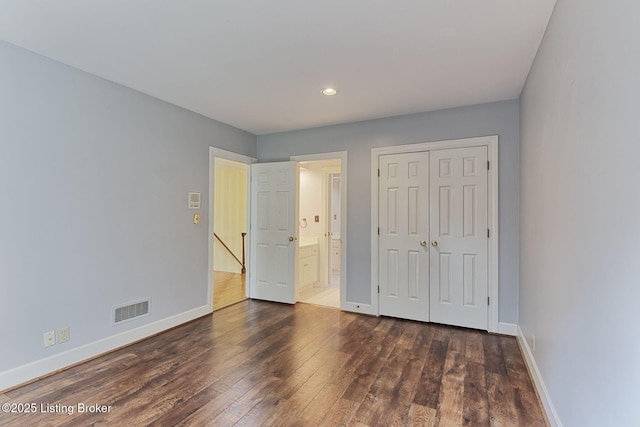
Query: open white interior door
{"x": 274, "y": 231}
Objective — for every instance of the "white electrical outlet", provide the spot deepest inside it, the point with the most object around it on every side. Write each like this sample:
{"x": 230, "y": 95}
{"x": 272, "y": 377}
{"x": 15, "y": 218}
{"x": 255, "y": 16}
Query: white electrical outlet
{"x": 49, "y": 338}
{"x": 533, "y": 343}
{"x": 63, "y": 335}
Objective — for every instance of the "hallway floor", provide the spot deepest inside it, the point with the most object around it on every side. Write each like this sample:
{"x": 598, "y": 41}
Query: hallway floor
{"x": 228, "y": 289}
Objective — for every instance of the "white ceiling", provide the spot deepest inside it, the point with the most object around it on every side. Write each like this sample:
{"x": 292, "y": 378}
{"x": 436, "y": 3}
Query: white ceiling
{"x": 259, "y": 65}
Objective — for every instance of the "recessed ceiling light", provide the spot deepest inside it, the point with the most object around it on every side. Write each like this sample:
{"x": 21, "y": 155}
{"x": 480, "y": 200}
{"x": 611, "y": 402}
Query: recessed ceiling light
{"x": 328, "y": 91}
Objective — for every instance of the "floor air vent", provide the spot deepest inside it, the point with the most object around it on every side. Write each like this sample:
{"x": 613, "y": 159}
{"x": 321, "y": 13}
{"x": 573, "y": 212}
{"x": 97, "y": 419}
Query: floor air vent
{"x": 130, "y": 311}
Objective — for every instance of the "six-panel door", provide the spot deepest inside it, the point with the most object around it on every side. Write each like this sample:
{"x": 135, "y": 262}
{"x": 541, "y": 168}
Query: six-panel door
{"x": 458, "y": 230}
{"x": 274, "y": 224}
{"x": 404, "y": 229}
{"x": 432, "y": 244}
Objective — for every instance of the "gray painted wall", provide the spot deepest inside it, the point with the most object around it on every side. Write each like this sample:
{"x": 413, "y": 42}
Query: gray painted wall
{"x": 93, "y": 183}
{"x": 580, "y": 212}
{"x": 357, "y": 139}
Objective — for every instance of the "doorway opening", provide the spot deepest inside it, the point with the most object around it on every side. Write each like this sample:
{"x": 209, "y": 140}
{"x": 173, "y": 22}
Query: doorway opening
{"x": 229, "y": 234}
{"x": 288, "y": 251}
{"x": 320, "y": 242}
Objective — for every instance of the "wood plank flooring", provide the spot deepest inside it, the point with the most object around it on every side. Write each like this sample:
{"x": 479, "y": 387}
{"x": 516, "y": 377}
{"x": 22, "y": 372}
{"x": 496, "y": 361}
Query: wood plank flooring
{"x": 260, "y": 363}
{"x": 228, "y": 289}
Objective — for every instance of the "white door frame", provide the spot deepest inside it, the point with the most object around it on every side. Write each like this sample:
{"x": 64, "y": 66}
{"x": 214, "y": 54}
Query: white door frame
{"x": 240, "y": 158}
{"x": 327, "y": 226}
{"x": 491, "y": 142}
{"x": 330, "y": 178}
{"x": 342, "y": 155}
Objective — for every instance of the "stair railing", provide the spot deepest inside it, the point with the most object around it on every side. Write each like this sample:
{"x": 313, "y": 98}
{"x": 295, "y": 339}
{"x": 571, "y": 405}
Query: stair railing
{"x": 242, "y": 263}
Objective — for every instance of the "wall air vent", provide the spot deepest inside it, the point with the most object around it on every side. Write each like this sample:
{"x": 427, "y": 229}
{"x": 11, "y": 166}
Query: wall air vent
{"x": 130, "y": 311}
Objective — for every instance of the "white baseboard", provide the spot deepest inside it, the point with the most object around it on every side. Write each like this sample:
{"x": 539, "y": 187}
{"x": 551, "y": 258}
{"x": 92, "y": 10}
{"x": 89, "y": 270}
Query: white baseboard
{"x": 552, "y": 415}
{"x": 508, "y": 329}
{"x": 356, "y": 307}
{"x": 39, "y": 368}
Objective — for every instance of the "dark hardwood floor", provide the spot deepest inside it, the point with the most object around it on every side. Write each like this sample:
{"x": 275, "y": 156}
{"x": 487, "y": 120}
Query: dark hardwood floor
{"x": 260, "y": 363}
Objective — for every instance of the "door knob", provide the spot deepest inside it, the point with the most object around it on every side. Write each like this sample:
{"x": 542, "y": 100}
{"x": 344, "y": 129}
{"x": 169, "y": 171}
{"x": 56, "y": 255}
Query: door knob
{"x": 291, "y": 239}
{"x": 434, "y": 243}
{"x": 423, "y": 243}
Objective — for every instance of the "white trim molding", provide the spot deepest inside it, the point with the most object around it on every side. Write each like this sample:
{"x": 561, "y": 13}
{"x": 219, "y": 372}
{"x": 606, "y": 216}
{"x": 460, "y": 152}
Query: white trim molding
{"x": 508, "y": 329}
{"x": 31, "y": 371}
{"x": 356, "y": 307}
{"x": 491, "y": 142}
{"x": 543, "y": 393}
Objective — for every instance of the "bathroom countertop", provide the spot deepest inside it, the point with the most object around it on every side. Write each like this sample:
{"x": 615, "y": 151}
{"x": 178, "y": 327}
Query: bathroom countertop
{"x": 307, "y": 241}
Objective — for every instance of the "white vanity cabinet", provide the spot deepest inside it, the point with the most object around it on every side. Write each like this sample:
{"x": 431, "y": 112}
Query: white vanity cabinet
{"x": 308, "y": 272}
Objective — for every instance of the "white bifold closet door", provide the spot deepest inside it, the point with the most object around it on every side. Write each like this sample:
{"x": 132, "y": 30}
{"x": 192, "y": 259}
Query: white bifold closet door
{"x": 458, "y": 230}
{"x": 403, "y": 257}
{"x": 433, "y": 236}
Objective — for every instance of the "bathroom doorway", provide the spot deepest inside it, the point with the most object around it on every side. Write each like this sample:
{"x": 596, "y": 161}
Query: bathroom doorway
{"x": 320, "y": 240}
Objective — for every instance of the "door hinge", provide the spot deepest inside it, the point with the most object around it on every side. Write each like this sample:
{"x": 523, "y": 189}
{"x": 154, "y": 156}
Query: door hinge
{"x": 378, "y": 173}
{"x": 378, "y": 288}
{"x": 378, "y": 231}
{"x": 488, "y": 163}
{"x": 488, "y": 233}
{"x": 488, "y": 301}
